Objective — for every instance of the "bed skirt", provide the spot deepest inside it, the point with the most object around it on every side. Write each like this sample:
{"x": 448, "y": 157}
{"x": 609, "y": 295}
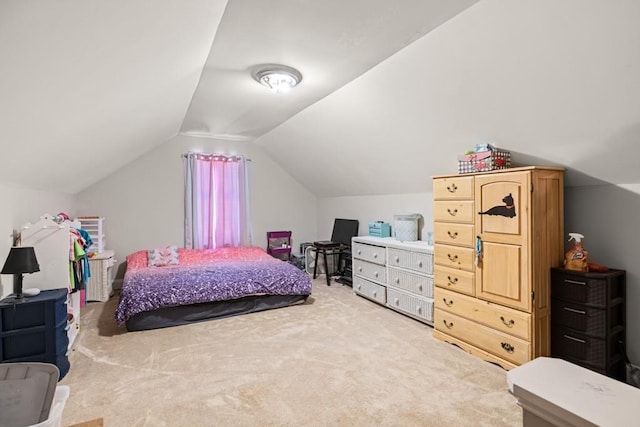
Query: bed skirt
{"x": 185, "y": 314}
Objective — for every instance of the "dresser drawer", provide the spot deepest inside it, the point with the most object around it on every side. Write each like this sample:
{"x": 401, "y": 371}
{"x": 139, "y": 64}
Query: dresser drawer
{"x": 588, "y": 288}
{"x": 369, "y": 270}
{"x": 453, "y": 188}
{"x": 453, "y": 211}
{"x": 503, "y": 319}
{"x": 453, "y": 279}
{"x": 591, "y": 321}
{"x": 370, "y": 290}
{"x": 411, "y": 282}
{"x": 418, "y": 261}
{"x": 454, "y": 257}
{"x": 410, "y": 304}
{"x": 376, "y": 254}
{"x": 504, "y": 346}
{"x": 454, "y": 234}
{"x": 583, "y": 348}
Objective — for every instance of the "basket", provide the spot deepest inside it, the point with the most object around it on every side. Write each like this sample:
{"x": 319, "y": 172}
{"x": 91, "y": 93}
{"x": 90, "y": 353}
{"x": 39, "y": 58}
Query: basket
{"x": 484, "y": 161}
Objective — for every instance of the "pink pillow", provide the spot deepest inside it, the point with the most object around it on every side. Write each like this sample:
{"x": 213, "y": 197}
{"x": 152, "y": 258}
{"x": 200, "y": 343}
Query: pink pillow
{"x": 160, "y": 257}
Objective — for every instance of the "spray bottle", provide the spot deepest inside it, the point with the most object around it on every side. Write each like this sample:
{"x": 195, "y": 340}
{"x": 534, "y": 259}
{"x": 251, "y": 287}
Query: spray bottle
{"x": 576, "y": 257}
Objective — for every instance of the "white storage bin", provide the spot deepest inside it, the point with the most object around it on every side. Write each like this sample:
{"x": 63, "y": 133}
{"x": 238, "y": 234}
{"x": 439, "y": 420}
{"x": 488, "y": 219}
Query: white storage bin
{"x": 95, "y": 227}
{"x": 57, "y": 406}
{"x": 100, "y": 284}
{"x": 405, "y": 227}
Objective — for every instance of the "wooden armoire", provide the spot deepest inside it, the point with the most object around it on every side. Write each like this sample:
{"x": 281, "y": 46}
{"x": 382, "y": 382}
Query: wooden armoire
{"x": 496, "y": 235}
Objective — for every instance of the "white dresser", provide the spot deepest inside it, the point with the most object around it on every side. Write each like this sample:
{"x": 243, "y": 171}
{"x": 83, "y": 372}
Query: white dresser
{"x": 396, "y": 274}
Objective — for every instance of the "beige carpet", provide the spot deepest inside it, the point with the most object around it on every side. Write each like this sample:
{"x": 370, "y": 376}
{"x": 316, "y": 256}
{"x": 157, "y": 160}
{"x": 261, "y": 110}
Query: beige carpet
{"x": 338, "y": 360}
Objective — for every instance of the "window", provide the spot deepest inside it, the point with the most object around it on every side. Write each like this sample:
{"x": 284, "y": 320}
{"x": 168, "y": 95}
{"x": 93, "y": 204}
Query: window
{"x": 216, "y": 201}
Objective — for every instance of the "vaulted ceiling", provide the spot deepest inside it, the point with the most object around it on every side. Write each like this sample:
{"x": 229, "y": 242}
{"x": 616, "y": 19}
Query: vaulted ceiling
{"x": 391, "y": 91}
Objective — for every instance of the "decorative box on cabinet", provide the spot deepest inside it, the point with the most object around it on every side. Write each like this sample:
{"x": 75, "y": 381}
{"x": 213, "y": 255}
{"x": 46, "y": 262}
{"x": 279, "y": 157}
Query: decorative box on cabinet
{"x": 496, "y": 236}
{"x": 396, "y": 274}
{"x": 100, "y": 284}
{"x": 588, "y": 315}
{"x": 36, "y": 330}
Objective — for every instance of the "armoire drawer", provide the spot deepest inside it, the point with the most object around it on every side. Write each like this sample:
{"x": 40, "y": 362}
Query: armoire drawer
{"x": 418, "y": 261}
{"x": 410, "y": 304}
{"x": 370, "y": 290}
{"x": 376, "y": 254}
{"x": 453, "y": 211}
{"x": 411, "y": 282}
{"x": 454, "y": 257}
{"x": 455, "y": 234}
{"x": 452, "y": 188}
{"x": 501, "y": 318}
{"x": 370, "y": 270}
{"x": 454, "y": 279}
{"x": 507, "y": 347}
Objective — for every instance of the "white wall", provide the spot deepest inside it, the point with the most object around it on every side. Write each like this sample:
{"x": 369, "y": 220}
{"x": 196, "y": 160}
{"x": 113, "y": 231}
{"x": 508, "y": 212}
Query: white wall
{"x": 22, "y": 205}
{"x": 368, "y": 209}
{"x": 143, "y": 203}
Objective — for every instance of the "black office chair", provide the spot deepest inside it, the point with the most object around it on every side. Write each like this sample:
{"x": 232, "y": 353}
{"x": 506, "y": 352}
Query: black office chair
{"x": 338, "y": 246}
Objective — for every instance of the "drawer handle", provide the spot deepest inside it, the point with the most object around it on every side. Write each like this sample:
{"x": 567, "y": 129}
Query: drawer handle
{"x": 375, "y": 255}
{"x": 360, "y": 269}
{"x": 447, "y": 303}
{"x": 359, "y": 287}
{"x": 575, "y": 339}
{"x": 420, "y": 264}
{"x": 397, "y": 280}
{"x": 507, "y": 347}
{"x": 418, "y": 309}
{"x": 573, "y": 310}
{"x": 448, "y": 325}
{"x": 375, "y": 274}
{"x": 374, "y": 293}
{"x": 397, "y": 259}
{"x": 574, "y": 282}
{"x": 359, "y": 252}
{"x": 452, "y": 258}
{"x": 453, "y": 212}
{"x": 420, "y": 288}
{"x": 452, "y": 188}
{"x": 397, "y": 301}
{"x": 453, "y": 235}
{"x": 508, "y": 324}
{"x": 452, "y": 281}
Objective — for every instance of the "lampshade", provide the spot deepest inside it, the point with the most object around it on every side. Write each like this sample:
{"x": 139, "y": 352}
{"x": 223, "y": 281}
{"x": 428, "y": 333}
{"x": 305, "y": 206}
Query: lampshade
{"x": 278, "y": 78}
{"x": 21, "y": 260}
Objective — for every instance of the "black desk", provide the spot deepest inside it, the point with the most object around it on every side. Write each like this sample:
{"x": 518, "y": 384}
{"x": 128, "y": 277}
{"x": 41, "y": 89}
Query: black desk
{"x": 35, "y": 330}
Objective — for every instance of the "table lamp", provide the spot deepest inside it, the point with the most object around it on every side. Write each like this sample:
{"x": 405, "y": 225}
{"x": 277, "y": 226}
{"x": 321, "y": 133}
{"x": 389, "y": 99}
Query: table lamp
{"x": 19, "y": 261}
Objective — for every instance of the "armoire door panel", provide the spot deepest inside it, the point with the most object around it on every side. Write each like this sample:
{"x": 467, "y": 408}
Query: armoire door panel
{"x": 502, "y": 275}
{"x": 502, "y": 208}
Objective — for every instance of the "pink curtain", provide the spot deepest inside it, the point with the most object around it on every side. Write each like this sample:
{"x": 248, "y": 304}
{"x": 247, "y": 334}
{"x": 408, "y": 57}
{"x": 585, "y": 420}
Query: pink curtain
{"x": 216, "y": 201}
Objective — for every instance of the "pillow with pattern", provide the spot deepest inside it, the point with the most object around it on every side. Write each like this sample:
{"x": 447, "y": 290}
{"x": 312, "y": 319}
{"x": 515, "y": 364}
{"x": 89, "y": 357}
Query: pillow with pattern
{"x": 160, "y": 257}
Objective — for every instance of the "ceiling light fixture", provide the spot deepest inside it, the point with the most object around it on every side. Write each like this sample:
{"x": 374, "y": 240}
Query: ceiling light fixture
{"x": 278, "y": 78}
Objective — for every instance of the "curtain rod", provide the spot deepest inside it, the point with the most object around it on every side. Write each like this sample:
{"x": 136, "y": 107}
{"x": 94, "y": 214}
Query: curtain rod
{"x": 206, "y": 154}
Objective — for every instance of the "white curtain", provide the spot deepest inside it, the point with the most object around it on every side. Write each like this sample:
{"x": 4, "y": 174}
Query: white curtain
{"x": 217, "y": 210}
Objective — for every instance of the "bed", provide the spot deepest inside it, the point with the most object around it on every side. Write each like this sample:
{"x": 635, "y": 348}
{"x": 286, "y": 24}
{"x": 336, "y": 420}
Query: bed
{"x": 193, "y": 285}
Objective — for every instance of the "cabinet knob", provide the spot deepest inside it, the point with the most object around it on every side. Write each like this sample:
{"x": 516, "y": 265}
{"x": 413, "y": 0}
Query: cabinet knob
{"x": 420, "y": 288}
{"x": 360, "y": 269}
{"x": 452, "y": 258}
{"x": 452, "y": 212}
{"x": 397, "y": 260}
{"x": 448, "y": 325}
{"x": 447, "y": 303}
{"x": 452, "y": 188}
{"x": 375, "y": 255}
{"x": 359, "y": 251}
{"x": 397, "y": 280}
{"x": 418, "y": 309}
{"x": 374, "y": 293}
{"x": 452, "y": 235}
{"x": 375, "y": 274}
{"x": 419, "y": 263}
{"x": 359, "y": 287}
{"x": 397, "y": 301}
{"x": 452, "y": 281}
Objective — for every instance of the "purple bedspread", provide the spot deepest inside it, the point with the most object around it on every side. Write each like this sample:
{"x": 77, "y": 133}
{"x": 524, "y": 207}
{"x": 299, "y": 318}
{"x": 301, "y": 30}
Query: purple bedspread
{"x": 151, "y": 288}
